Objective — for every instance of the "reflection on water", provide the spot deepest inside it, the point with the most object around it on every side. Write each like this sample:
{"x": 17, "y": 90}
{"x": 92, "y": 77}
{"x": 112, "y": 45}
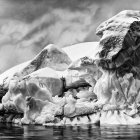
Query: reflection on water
{"x": 84, "y": 132}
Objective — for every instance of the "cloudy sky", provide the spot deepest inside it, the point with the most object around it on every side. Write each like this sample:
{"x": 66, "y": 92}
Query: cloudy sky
{"x": 27, "y": 26}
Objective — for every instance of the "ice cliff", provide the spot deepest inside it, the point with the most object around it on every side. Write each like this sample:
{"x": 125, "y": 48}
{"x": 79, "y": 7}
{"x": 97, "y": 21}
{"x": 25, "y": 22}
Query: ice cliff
{"x": 65, "y": 87}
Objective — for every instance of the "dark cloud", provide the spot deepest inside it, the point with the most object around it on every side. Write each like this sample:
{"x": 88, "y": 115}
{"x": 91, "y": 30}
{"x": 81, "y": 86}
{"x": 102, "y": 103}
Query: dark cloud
{"x": 27, "y": 26}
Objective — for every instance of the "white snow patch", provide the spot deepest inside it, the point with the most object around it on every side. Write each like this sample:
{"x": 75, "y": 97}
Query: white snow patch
{"x": 82, "y": 49}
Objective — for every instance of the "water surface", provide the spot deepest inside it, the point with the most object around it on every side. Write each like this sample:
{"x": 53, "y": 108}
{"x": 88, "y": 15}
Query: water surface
{"x": 83, "y": 132}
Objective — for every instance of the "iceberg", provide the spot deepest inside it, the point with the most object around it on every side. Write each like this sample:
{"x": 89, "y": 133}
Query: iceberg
{"x": 86, "y": 83}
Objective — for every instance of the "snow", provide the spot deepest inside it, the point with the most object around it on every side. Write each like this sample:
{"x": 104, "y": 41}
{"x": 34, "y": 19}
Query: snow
{"x": 44, "y": 72}
{"x": 74, "y": 52}
{"x": 12, "y": 70}
{"x": 82, "y": 49}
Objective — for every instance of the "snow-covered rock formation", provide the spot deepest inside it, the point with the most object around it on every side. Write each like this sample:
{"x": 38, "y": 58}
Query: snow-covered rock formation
{"x": 65, "y": 87}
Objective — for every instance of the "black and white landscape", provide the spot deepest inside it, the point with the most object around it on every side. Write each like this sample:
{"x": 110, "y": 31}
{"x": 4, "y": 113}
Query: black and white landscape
{"x": 69, "y": 65}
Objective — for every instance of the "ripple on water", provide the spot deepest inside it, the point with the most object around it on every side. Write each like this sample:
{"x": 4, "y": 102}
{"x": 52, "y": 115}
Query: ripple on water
{"x": 82, "y": 132}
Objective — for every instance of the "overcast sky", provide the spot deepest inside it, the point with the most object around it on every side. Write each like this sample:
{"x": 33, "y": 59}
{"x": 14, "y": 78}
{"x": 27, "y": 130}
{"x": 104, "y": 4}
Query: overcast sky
{"x": 27, "y": 26}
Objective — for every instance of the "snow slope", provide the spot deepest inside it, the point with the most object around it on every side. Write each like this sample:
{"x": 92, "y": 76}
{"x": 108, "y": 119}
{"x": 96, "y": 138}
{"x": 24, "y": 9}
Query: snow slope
{"x": 82, "y": 49}
{"x": 75, "y": 51}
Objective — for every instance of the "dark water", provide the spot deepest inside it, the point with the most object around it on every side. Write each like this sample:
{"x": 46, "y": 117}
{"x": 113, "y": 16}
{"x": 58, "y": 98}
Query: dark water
{"x": 84, "y": 132}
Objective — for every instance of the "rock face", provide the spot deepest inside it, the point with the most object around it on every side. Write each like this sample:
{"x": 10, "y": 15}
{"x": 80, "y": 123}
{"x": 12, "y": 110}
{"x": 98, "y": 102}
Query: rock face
{"x": 119, "y": 43}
